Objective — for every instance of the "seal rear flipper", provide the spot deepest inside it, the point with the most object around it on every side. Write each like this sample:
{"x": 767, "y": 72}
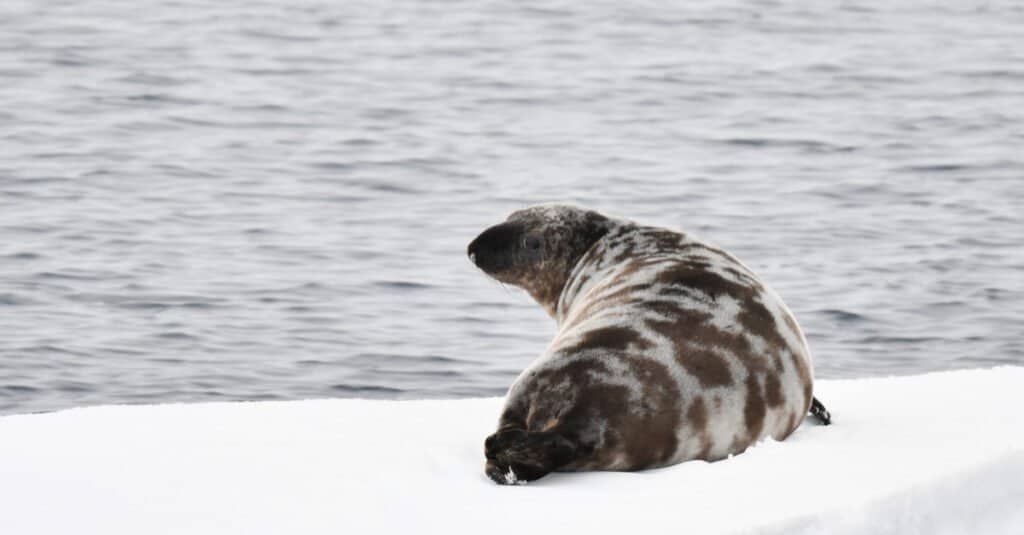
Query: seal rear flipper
{"x": 819, "y": 411}
{"x": 517, "y": 456}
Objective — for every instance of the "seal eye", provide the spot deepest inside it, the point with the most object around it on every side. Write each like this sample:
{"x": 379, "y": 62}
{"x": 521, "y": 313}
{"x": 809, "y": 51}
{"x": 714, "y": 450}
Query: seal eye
{"x": 531, "y": 243}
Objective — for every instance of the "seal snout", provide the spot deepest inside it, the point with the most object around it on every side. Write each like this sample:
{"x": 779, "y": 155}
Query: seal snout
{"x": 492, "y": 251}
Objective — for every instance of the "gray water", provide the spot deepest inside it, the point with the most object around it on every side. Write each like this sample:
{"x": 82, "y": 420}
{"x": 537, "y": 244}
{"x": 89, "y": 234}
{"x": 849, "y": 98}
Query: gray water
{"x": 244, "y": 200}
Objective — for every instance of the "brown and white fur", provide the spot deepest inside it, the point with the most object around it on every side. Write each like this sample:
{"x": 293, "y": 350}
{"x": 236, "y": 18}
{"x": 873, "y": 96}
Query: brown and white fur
{"x": 668, "y": 349}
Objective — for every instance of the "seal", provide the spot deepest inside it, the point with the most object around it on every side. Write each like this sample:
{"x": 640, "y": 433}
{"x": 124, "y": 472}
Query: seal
{"x": 668, "y": 348}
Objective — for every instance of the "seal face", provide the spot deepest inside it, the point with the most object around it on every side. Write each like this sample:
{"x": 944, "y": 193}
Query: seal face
{"x": 668, "y": 348}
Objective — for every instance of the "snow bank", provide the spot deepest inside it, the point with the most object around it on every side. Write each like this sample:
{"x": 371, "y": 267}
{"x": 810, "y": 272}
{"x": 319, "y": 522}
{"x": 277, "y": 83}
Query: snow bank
{"x": 940, "y": 453}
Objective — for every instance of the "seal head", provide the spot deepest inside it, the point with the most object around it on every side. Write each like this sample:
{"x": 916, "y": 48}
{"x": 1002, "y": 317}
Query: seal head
{"x": 537, "y": 248}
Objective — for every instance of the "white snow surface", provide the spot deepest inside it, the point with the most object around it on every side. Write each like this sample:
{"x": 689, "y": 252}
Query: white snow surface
{"x": 939, "y": 453}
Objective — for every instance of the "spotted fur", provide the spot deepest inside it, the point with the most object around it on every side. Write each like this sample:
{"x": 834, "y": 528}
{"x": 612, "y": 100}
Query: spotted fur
{"x": 668, "y": 348}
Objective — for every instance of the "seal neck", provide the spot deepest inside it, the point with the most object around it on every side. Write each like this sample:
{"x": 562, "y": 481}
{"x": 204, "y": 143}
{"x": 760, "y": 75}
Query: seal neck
{"x": 588, "y": 272}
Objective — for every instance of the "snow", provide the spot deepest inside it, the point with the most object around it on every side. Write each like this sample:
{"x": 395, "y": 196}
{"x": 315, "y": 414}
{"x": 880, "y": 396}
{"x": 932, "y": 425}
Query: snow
{"x": 938, "y": 453}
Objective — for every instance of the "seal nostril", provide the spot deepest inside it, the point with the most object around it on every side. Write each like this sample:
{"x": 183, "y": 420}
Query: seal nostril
{"x": 472, "y": 257}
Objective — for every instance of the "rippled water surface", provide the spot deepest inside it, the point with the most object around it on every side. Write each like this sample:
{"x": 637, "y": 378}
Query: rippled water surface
{"x": 271, "y": 200}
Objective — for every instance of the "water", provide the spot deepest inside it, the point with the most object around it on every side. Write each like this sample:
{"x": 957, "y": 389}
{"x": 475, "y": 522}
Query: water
{"x": 271, "y": 200}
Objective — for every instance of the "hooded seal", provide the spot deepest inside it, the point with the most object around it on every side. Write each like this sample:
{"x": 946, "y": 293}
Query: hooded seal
{"x": 668, "y": 349}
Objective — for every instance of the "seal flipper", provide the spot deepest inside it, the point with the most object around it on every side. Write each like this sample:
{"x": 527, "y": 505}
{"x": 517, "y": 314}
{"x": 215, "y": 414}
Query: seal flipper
{"x": 517, "y": 456}
{"x": 819, "y": 411}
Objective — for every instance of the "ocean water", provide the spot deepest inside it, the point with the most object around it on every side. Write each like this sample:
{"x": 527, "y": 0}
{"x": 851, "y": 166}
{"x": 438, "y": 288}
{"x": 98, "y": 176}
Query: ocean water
{"x": 271, "y": 200}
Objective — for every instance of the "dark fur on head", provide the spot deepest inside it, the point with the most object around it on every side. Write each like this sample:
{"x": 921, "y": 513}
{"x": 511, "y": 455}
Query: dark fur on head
{"x": 536, "y": 248}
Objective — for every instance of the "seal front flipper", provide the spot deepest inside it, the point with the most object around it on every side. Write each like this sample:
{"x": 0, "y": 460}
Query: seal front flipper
{"x": 517, "y": 456}
{"x": 819, "y": 411}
